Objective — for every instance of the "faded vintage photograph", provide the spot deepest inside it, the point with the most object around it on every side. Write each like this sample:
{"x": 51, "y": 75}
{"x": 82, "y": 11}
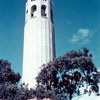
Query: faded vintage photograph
{"x": 49, "y": 49}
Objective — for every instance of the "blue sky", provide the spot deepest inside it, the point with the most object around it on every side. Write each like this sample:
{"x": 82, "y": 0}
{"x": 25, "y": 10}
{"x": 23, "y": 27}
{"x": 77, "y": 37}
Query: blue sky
{"x": 77, "y": 24}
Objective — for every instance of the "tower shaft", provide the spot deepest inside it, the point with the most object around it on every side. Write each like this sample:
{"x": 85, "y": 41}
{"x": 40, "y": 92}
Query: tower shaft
{"x": 39, "y": 46}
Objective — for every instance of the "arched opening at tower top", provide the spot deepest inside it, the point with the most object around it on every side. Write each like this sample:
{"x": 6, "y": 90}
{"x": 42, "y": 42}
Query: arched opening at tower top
{"x": 43, "y": 10}
{"x": 33, "y": 10}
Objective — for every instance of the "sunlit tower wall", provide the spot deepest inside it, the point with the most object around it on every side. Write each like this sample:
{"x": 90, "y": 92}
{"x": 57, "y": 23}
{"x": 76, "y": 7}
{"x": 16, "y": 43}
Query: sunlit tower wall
{"x": 39, "y": 41}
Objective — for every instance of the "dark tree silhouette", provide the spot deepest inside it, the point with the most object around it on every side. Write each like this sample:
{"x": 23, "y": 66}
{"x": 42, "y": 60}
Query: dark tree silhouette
{"x": 9, "y": 89}
{"x": 8, "y": 81}
{"x": 69, "y": 73}
{"x": 58, "y": 80}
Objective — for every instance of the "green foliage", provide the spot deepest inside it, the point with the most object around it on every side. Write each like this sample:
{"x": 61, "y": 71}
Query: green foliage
{"x": 8, "y": 81}
{"x": 60, "y": 79}
{"x": 9, "y": 89}
{"x": 69, "y": 73}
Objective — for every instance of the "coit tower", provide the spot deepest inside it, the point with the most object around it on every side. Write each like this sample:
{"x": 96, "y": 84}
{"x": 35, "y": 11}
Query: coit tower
{"x": 39, "y": 44}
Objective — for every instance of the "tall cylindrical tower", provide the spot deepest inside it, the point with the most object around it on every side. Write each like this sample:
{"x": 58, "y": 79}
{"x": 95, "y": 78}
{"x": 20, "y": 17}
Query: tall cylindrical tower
{"x": 39, "y": 43}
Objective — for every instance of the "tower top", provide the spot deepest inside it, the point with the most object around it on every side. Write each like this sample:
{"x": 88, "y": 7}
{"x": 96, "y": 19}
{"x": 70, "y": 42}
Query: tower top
{"x": 38, "y": 9}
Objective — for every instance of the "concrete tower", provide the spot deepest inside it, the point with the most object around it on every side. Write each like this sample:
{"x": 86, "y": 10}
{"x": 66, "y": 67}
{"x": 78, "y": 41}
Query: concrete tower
{"x": 39, "y": 46}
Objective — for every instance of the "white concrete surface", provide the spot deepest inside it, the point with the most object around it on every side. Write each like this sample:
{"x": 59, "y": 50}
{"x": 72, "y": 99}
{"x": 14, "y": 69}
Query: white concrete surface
{"x": 39, "y": 46}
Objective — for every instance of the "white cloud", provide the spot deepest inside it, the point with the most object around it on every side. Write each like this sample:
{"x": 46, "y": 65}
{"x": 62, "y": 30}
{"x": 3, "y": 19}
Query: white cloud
{"x": 75, "y": 38}
{"x": 82, "y": 35}
{"x": 83, "y": 32}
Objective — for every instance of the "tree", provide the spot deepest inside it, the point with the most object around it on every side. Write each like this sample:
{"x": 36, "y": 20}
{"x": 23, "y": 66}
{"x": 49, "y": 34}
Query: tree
{"x": 24, "y": 93}
{"x": 8, "y": 81}
{"x": 9, "y": 89}
{"x": 70, "y": 73}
